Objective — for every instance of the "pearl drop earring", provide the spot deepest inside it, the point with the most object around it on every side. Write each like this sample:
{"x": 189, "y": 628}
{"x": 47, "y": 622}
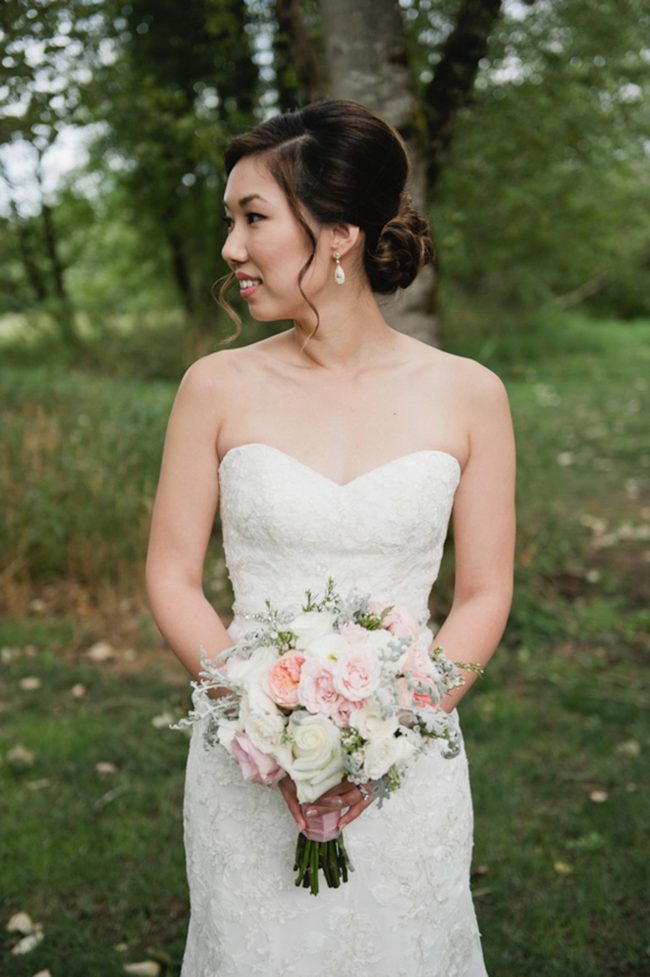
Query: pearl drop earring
{"x": 339, "y": 274}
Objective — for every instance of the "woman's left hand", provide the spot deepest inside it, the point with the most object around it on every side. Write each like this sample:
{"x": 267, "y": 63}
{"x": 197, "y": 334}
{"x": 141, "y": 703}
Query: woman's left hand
{"x": 338, "y": 798}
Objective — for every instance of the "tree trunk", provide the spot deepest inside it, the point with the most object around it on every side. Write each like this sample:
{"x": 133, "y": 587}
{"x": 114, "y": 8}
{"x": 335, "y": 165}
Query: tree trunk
{"x": 450, "y": 88}
{"x": 52, "y": 249}
{"x": 63, "y": 309}
{"x": 297, "y": 63}
{"x": 180, "y": 269}
{"x": 31, "y": 269}
{"x": 367, "y": 60}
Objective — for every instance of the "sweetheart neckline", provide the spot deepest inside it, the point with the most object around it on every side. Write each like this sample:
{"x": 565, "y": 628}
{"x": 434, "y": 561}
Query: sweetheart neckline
{"x": 331, "y": 481}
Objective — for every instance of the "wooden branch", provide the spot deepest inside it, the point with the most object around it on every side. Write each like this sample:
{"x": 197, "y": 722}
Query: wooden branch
{"x": 583, "y": 292}
{"x": 450, "y": 88}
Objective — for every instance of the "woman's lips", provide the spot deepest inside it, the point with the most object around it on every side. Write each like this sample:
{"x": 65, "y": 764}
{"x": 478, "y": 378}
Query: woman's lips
{"x": 248, "y": 286}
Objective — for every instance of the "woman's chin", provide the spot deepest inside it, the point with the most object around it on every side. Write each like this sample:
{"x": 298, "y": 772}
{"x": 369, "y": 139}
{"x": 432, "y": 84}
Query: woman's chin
{"x": 260, "y": 316}
{"x": 270, "y": 315}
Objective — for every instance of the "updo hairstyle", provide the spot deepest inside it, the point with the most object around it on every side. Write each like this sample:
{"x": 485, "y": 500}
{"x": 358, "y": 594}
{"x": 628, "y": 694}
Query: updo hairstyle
{"x": 342, "y": 164}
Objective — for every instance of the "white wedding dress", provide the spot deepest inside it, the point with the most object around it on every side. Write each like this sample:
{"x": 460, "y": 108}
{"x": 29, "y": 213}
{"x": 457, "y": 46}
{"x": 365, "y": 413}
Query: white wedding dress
{"x": 406, "y": 910}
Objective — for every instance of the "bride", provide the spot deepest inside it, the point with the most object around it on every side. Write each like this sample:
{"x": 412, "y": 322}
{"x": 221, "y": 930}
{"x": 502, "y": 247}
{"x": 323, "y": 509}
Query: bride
{"x": 335, "y": 448}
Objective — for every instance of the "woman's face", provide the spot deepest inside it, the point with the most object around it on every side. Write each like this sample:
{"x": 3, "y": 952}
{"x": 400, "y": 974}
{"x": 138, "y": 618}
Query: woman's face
{"x": 266, "y": 247}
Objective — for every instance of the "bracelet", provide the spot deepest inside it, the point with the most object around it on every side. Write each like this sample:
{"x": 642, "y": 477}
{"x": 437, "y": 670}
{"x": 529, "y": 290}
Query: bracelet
{"x": 366, "y": 794}
{"x": 375, "y": 789}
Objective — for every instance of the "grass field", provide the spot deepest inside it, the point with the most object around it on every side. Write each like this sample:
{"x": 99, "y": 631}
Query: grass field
{"x": 557, "y": 731}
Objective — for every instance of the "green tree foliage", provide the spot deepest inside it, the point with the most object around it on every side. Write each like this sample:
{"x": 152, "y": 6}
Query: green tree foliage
{"x": 45, "y": 50}
{"x": 539, "y": 195}
{"x": 536, "y": 199}
{"x": 181, "y": 81}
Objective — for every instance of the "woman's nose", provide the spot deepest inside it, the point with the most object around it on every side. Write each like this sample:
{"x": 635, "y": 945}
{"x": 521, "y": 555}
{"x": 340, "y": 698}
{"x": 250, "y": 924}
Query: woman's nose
{"x": 234, "y": 248}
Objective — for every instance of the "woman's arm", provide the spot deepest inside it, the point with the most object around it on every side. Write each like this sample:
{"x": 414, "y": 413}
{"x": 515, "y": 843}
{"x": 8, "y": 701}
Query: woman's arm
{"x": 484, "y": 531}
{"x": 183, "y": 516}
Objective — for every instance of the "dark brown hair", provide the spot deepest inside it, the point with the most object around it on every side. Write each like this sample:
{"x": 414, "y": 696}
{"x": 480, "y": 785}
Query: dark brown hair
{"x": 342, "y": 164}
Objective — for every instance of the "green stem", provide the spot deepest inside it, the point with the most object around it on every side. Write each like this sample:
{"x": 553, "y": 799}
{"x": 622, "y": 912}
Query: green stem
{"x": 304, "y": 860}
{"x": 314, "y": 869}
{"x": 342, "y": 858}
{"x": 312, "y": 857}
{"x": 335, "y": 874}
{"x": 300, "y": 847}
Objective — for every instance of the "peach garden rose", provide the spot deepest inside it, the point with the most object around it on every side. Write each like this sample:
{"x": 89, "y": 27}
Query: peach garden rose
{"x": 283, "y": 679}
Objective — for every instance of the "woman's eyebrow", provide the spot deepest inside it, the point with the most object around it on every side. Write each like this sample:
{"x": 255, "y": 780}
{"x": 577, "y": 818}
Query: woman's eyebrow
{"x": 247, "y": 199}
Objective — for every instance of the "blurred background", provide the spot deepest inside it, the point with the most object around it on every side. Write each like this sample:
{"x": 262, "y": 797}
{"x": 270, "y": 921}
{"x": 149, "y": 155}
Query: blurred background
{"x": 528, "y": 124}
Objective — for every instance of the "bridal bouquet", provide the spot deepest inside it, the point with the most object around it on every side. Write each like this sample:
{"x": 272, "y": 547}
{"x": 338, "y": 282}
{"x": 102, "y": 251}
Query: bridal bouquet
{"x": 345, "y": 689}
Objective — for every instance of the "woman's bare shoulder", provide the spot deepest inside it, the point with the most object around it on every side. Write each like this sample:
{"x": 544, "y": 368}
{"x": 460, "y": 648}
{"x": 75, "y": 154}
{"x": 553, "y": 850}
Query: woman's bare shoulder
{"x": 228, "y": 363}
{"x": 472, "y": 381}
{"x": 220, "y": 369}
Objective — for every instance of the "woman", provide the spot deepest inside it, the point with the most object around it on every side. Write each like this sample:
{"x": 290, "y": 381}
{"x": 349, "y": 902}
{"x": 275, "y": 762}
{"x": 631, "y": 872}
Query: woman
{"x": 335, "y": 448}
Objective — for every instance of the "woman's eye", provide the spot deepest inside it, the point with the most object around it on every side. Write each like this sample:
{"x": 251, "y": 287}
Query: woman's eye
{"x": 252, "y": 218}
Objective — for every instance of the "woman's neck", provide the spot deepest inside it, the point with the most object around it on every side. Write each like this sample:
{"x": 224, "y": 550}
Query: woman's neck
{"x": 351, "y": 335}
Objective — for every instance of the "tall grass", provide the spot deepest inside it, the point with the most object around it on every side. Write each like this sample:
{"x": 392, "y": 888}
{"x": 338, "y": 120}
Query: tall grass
{"x": 78, "y": 462}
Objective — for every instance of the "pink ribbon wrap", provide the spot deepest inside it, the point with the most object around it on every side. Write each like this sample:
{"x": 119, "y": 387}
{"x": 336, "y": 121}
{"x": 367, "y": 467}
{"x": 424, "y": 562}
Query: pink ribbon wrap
{"x": 322, "y": 827}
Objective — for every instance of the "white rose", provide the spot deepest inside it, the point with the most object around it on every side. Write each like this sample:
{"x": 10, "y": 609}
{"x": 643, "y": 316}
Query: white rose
{"x": 265, "y": 730}
{"x": 254, "y": 700}
{"x": 309, "y": 626}
{"x": 380, "y": 757}
{"x": 379, "y": 639}
{"x": 249, "y": 677}
{"x": 330, "y": 646}
{"x": 226, "y": 731}
{"x": 406, "y": 747}
{"x": 316, "y": 760}
{"x": 242, "y": 671}
{"x": 371, "y": 724}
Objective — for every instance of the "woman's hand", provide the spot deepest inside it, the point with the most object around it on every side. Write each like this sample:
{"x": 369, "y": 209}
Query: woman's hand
{"x": 345, "y": 795}
{"x": 338, "y": 798}
{"x": 288, "y": 791}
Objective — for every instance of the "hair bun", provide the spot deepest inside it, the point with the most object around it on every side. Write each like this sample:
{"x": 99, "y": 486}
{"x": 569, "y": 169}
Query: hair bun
{"x": 404, "y": 246}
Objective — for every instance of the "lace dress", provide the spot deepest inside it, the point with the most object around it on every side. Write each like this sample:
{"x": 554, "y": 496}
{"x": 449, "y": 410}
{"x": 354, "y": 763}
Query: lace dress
{"x": 407, "y": 909}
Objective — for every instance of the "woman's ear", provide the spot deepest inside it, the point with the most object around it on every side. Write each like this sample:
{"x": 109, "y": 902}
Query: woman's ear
{"x": 343, "y": 237}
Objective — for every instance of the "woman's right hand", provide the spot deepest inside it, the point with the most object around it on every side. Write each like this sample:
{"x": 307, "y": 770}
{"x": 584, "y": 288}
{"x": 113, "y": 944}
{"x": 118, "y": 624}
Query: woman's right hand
{"x": 288, "y": 791}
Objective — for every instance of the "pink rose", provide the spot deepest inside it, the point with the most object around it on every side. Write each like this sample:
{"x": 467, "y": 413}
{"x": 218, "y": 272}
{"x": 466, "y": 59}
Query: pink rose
{"x": 419, "y": 668}
{"x": 357, "y": 674}
{"x": 417, "y": 659}
{"x": 342, "y": 716}
{"x": 316, "y": 691}
{"x": 284, "y": 679}
{"x": 401, "y": 623}
{"x": 353, "y": 633}
{"x": 422, "y": 699}
{"x": 255, "y": 765}
{"x": 377, "y": 606}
